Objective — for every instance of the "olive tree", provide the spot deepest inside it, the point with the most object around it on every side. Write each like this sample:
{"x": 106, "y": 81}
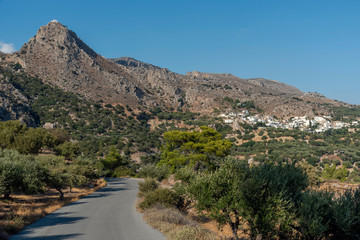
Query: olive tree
{"x": 58, "y": 174}
{"x": 20, "y": 173}
{"x": 218, "y": 194}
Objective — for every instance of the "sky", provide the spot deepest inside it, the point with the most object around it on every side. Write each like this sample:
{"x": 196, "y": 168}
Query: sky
{"x": 312, "y": 45}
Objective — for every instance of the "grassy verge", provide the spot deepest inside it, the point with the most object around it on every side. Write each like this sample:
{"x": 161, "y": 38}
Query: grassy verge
{"x": 160, "y": 208}
{"x": 175, "y": 225}
{"x": 22, "y": 210}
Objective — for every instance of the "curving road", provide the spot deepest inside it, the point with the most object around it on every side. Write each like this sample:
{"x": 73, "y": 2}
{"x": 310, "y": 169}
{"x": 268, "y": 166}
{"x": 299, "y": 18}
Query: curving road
{"x": 107, "y": 214}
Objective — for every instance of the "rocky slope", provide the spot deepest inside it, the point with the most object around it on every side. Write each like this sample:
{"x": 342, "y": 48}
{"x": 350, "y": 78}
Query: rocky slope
{"x": 60, "y": 58}
{"x": 13, "y": 104}
{"x": 202, "y": 92}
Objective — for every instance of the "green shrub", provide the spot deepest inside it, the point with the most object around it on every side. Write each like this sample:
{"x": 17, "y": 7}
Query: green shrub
{"x": 148, "y": 185}
{"x": 123, "y": 171}
{"x": 68, "y": 150}
{"x": 154, "y": 171}
{"x": 315, "y": 214}
{"x": 346, "y": 212}
{"x": 347, "y": 164}
{"x": 163, "y": 196}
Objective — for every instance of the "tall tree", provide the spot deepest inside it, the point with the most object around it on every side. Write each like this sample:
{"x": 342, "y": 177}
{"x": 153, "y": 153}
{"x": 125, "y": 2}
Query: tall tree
{"x": 194, "y": 148}
{"x": 218, "y": 194}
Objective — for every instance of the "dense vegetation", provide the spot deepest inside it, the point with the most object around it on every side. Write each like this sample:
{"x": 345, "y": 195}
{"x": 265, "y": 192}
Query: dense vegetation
{"x": 269, "y": 200}
{"x": 31, "y": 174}
{"x": 96, "y": 126}
{"x": 262, "y": 189}
{"x": 334, "y": 154}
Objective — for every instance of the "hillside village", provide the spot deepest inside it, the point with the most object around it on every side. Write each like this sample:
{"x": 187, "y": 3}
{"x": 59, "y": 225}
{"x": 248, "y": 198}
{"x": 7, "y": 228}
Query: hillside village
{"x": 316, "y": 124}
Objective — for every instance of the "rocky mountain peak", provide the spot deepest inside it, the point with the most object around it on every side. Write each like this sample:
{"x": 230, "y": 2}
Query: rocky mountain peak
{"x": 56, "y": 35}
{"x": 58, "y": 56}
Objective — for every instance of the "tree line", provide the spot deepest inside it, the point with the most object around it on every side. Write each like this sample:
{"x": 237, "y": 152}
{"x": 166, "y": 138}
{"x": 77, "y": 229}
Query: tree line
{"x": 30, "y": 174}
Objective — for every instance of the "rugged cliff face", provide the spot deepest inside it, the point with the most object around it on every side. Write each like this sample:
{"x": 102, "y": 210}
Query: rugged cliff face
{"x": 60, "y": 58}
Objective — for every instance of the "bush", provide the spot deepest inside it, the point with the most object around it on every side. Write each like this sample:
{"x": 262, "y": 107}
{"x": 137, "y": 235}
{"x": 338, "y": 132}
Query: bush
{"x": 153, "y": 171}
{"x": 163, "y": 196}
{"x": 148, "y": 185}
{"x": 123, "y": 171}
{"x": 68, "y": 150}
{"x": 347, "y": 164}
{"x": 171, "y": 215}
{"x": 346, "y": 212}
{"x": 315, "y": 214}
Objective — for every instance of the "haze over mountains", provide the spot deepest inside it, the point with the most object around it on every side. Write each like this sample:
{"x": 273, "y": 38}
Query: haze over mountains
{"x": 57, "y": 56}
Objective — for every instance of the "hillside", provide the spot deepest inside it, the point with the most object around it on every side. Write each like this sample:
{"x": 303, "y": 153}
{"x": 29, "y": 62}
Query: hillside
{"x": 14, "y": 105}
{"x": 59, "y": 57}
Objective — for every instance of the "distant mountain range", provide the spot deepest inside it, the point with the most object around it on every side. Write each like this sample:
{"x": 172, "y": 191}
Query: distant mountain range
{"x": 60, "y": 58}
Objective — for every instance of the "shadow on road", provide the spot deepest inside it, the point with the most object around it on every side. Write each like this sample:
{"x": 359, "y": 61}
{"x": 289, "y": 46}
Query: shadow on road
{"x": 105, "y": 192}
{"x": 65, "y": 216}
{"x": 56, "y": 219}
{"x": 50, "y": 220}
{"x": 54, "y": 237}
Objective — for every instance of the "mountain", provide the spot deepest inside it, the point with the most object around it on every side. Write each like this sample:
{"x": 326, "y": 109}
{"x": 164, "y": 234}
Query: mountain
{"x": 59, "y": 57}
{"x": 202, "y": 92}
{"x": 13, "y": 104}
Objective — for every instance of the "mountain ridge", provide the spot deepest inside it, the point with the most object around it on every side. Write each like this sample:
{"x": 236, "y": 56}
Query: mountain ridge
{"x": 59, "y": 57}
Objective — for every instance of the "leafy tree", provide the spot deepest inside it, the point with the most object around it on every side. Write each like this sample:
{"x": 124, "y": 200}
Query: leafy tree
{"x": 218, "y": 195}
{"x": 58, "y": 175}
{"x": 270, "y": 196}
{"x": 315, "y": 215}
{"x": 194, "y": 148}
{"x": 19, "y": 173}
{"x": 341, "y": 173}
{"x": 78, "y": 174}
{"x": 311, "y": 173}
{"x": 15, "y": 135}
{"x": 68, "y": 150}
{"x": 329, "y": 171}
{"x": 113, "y": 159}
{"x": 32, "y": 141}
{"x": 8, "y": 131}
{"x": 346, "y": 211}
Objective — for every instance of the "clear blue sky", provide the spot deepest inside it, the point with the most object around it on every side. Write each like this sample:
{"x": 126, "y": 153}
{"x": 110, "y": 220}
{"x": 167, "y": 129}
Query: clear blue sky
{"x": 312, "y": 45}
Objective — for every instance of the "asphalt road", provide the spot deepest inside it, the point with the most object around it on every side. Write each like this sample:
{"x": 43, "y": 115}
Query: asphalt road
{"x": 107, "y": 214}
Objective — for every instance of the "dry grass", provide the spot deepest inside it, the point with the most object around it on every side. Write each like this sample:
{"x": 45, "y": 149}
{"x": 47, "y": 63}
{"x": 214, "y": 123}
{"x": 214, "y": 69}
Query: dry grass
{"x": 188, "y": 225}
{"x": 175, "y": 225}
{"x": 23, "y": 210}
